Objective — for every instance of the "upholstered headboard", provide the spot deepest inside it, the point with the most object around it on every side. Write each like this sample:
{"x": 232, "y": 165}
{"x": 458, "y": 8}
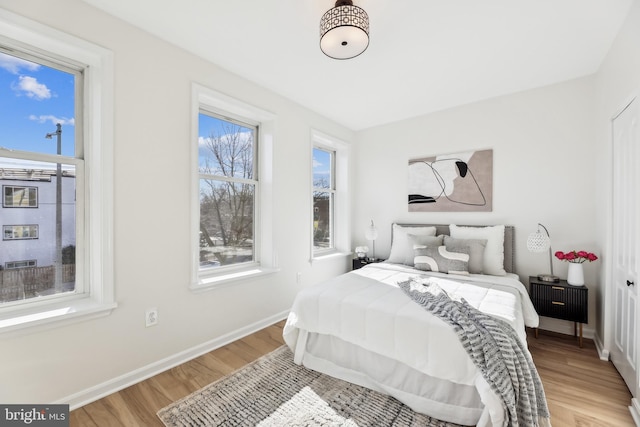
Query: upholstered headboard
{"x": 509, "y": 235}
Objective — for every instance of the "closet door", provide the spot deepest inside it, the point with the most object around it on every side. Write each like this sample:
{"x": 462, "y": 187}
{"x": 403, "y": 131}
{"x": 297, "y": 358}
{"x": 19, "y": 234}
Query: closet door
{"x": 626, "y": 238}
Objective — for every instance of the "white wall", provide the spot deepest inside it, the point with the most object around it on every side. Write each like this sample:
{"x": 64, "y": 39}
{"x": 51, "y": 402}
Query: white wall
{"x": 544, "y": 161}
{"x": 616, "y": 82}
{"x": 151, "y": 203}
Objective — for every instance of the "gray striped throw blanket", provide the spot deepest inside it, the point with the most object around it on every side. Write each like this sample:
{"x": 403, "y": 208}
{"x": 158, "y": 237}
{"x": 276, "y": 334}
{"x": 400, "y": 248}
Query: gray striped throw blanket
{"x": 503, "y": 360}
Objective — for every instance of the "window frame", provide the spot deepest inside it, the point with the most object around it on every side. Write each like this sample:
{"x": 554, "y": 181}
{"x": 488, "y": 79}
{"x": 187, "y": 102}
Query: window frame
{"x": 35, "y": 226}
{"x": 28, "y": 261}
{"x": 93, "y": 161}
{"x": 342, "y": 207}
{"x": 13, "y": 187}
{"x": 253, "y": 181}
{"x": 332, "y": 199}
{"x": 224, "y": 106}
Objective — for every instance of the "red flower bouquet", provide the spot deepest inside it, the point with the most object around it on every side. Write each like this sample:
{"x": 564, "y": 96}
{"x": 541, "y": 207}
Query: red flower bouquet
{"x": 576, "y": 256}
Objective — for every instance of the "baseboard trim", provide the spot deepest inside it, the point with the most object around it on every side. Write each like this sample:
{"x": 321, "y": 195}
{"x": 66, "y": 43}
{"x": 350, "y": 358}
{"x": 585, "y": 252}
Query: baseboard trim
{"x": 635, "y": 411}
{"x": 603, "y": 353}
{"x": 99, "y": 391}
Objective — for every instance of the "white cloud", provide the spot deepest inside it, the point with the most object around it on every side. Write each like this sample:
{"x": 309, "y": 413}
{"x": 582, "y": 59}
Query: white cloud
{"x": 14, "y": 65}
{"x": 53, "y": 119}
{"x": 33, "y": 89}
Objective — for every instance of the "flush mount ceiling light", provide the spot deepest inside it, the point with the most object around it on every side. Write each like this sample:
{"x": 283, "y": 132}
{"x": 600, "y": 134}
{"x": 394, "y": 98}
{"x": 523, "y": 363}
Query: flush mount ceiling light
{"x": 344, "y": 31}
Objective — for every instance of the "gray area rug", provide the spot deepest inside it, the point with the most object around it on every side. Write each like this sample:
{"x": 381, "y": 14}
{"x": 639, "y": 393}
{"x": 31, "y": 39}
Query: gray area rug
{"x": 275, "y": 392}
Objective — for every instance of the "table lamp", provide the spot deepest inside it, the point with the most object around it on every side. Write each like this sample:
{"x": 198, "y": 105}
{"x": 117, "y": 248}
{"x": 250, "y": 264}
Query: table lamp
{"x": 538, "y": 242}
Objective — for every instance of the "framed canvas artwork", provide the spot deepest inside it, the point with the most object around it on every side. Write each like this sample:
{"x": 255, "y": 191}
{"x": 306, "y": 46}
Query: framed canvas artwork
{"x": 459, "y": 182}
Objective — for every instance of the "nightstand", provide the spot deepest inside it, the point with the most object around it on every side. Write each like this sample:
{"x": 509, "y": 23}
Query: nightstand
{"x": 560, "y": 301}
{"x": 361, "y": 262}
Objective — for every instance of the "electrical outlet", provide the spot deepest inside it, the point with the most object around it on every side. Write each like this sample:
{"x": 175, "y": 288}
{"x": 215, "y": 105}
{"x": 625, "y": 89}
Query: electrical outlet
{"x": 298, "y": 277}
{"x": 151, "y": 317}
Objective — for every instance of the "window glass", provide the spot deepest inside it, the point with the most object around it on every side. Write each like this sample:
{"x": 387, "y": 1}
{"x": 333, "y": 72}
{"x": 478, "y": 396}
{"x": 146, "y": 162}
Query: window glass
{"x": 323, "y": 198}
{"x": 39, "y": 203}
{"x": 34, "y": 98}
{"x": 226, "y": 163}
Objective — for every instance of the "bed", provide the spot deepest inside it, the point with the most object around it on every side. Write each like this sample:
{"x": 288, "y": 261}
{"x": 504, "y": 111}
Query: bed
{"x": 362, "y": 328}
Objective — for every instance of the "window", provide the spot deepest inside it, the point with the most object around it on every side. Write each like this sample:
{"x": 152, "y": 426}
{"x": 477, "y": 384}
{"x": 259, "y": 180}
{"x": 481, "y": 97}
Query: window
{"x": 324, "y": 192}
{"x": 20, "y": 264}
{"x": 19, "y": 232}
{"x": 330, "y": 204}
{"x": 49, "y": 160}
{"x": 226, "y": 165}
{"x": 20, "y": 197}
{"x": 232, "y": 185}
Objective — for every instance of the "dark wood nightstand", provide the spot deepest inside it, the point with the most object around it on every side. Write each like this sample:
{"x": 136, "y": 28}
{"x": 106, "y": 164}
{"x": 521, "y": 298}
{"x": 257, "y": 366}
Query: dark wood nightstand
{"x": 361, "y": 262}
{"x": 561, "y": 301}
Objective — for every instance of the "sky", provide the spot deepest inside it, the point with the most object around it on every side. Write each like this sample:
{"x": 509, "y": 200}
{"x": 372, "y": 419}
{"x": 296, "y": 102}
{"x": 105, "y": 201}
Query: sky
{"x": 33, "y": 98}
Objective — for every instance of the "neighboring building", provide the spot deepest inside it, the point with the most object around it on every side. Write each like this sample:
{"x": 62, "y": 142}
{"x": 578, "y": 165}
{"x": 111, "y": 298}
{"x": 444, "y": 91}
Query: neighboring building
{"x": 28, "y": 216}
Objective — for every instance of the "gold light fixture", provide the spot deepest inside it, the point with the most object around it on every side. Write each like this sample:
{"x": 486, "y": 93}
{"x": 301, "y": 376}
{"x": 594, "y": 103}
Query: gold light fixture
{"x": 344, "y": 31}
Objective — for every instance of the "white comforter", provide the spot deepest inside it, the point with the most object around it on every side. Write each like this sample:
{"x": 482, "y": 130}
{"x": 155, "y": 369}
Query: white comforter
{"x": 366, "y": 308}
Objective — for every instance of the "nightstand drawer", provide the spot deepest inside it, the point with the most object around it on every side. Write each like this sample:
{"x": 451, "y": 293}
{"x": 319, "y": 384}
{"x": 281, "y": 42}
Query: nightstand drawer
{"x": 560, "y": 300}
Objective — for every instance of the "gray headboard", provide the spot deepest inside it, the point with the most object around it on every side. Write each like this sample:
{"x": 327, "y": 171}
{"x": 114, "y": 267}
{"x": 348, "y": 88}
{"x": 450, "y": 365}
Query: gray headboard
{"x": 509, "y": 236}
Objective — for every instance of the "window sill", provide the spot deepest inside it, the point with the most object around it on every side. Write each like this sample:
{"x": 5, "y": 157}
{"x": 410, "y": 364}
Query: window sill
{"x": 53, "y": 315}
{"x": 330, "y": 255}
{"x": 207, "y": 283}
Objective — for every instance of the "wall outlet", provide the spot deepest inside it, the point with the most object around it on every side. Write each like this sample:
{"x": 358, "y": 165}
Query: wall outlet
{"x": 298, "y": 277}
{"x": 151, "y": 317}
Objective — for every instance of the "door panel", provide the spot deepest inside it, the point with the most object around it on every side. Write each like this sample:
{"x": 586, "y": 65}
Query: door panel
{"x": 625, "y": 242}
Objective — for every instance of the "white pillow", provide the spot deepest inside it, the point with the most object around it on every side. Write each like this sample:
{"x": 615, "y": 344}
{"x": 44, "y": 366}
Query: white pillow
{"x": 402, "y": 245}
{"x": 493, "y": 262}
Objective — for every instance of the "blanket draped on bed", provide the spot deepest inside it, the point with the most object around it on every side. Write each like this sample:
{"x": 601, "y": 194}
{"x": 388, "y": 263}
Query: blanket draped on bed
{"x": 495, "y": 349}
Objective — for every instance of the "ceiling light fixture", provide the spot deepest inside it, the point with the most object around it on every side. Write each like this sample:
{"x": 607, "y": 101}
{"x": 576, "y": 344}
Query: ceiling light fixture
{"x": 344, "y": 31}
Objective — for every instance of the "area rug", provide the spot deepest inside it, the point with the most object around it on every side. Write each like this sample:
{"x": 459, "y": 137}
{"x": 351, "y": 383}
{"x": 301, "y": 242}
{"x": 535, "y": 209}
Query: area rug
{"x": 275, "y": 392}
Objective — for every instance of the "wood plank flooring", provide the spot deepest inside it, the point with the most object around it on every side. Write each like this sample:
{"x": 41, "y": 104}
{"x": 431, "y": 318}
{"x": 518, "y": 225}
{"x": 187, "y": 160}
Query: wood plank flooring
{"x": 582, "y": 390}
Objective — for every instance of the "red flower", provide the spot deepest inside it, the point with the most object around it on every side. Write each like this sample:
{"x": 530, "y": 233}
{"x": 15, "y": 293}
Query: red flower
{"x": 576, "y": 256}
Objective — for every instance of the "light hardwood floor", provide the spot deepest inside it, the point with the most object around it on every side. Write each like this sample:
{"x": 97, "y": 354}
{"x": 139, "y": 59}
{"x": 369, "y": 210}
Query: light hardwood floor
{"x": 581, "y": 389}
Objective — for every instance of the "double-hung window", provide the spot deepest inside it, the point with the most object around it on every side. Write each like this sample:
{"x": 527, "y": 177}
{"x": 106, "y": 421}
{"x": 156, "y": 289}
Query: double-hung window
{"x": 330, "y": 201}
{"x": 232, "y": 187}
{"x": 55, "y": 160}
{"x": 228, "y": 188}
{"x": 324, "y": 194}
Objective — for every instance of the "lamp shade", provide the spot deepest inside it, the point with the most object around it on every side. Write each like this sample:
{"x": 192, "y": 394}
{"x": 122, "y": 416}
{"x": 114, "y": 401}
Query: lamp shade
{"x": 344, "y": 31}
{"x": 538, "y": 242}
{"x": 371, "y": 232}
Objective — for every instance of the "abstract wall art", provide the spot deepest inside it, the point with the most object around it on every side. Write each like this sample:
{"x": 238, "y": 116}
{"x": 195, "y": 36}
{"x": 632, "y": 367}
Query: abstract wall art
{"x": 460, "y": 182}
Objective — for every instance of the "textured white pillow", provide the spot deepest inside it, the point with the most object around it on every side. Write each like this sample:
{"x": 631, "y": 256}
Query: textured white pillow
{"x": 402, "y": 245}
{"x": 494, "y": 251}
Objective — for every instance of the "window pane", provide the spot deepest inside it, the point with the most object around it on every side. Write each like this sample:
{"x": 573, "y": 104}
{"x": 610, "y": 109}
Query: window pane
{"x": 226, "y": 223}
{"x": 33, "y": 99}
{"x": 322, "y": 218}
{"x": 225, "y": 148}
{"x": 38, "y": 245}
{"x": 322, "y": 168}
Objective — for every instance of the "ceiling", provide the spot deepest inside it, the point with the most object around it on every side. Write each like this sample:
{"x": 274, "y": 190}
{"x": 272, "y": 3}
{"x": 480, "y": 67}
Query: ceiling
{"x": 423, "y": 56}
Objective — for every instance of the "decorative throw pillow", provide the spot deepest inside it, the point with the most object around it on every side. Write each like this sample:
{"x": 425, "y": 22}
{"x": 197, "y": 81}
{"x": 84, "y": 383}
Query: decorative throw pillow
{"x": 419, "y": 240}
{"x": 401, "y": 246}
{"x": 476, "y": 251}
{"x": 493, "y": 260}
{"x": 441, "y": 260}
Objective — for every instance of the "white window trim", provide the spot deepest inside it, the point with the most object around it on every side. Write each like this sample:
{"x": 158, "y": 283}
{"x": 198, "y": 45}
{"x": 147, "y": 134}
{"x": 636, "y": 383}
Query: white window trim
{"x": 265, "y": 255}
{"x": 341, "y": 226}
{"x": 98, "y": 298}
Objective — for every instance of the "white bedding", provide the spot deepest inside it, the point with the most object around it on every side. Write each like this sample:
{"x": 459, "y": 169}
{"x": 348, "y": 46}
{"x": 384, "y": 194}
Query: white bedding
{"x": 361, "y": 327}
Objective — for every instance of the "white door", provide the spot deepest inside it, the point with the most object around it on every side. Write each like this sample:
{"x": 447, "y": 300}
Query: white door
{"x": 626, "y": 240}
